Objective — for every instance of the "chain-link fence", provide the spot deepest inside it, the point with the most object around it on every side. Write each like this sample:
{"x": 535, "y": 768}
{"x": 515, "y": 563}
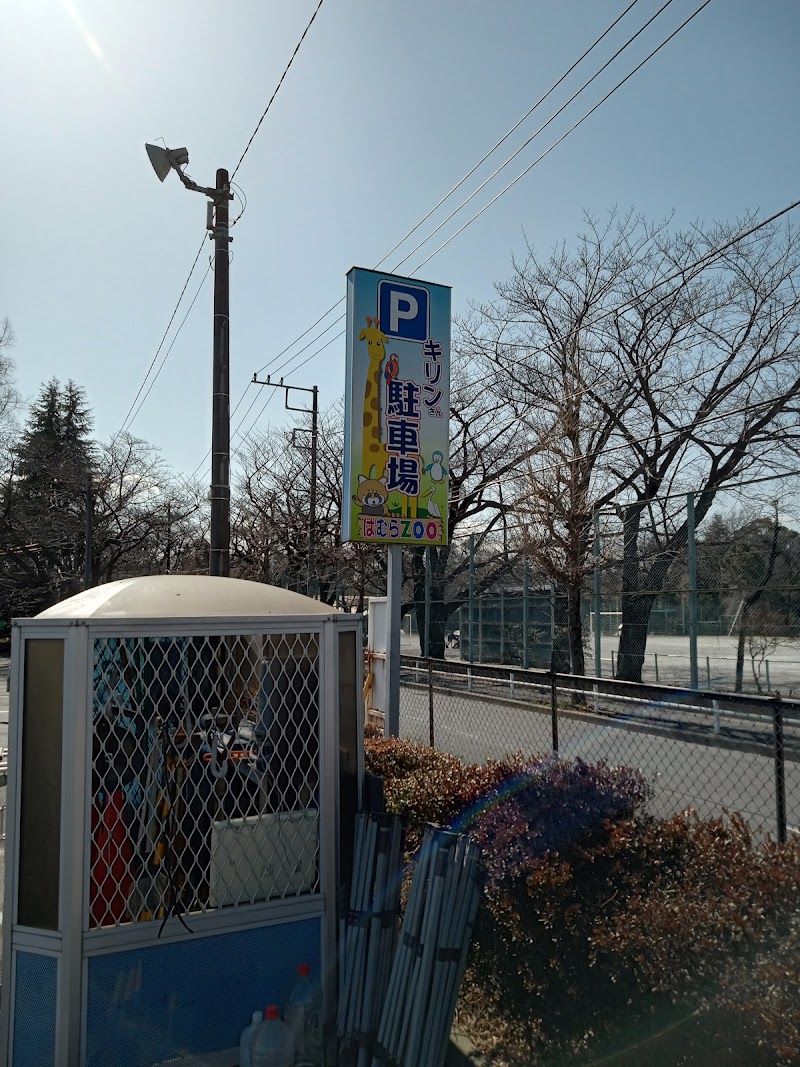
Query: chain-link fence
{"x": 672, "y": 594}
{"x": 709, "y": 596}
{"x": 712, "y": 752}
{"x": 205, "y": 759}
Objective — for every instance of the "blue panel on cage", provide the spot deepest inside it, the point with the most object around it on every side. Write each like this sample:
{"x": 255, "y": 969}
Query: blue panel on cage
{"x": 35, "y": 983}
{"x": 151, "y": 1004}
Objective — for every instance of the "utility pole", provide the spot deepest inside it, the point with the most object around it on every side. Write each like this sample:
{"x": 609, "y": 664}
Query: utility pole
{"x": 313, "y": 411}
{"x": 164, "y": 160}
{"x": 219, "y": 560}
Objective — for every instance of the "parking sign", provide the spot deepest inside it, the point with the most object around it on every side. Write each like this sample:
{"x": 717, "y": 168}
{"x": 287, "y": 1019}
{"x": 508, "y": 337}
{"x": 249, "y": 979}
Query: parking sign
{"x": 404, "y": 310}
{"x": 397, "y": 401}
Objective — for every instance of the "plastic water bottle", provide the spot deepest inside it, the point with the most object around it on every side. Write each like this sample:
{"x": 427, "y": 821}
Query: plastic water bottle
{"x": 246, "y": 1040}
{"x": 272, "y": 1042}
{"x": 304, "y": 1019}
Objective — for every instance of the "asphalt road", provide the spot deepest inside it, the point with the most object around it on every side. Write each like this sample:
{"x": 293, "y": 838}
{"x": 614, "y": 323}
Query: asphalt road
{"x": 682, "y": 771}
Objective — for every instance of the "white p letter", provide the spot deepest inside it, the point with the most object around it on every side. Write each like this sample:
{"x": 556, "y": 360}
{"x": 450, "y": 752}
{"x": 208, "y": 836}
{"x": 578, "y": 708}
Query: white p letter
{"x": 403, "y": 306}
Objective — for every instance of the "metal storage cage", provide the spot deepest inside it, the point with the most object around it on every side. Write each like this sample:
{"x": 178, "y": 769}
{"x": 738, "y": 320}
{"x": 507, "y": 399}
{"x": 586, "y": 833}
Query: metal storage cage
{"x": 185, "y": 759}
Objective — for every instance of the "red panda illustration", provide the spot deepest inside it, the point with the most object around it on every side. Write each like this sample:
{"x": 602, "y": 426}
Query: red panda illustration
{"x": 372, "y": 495}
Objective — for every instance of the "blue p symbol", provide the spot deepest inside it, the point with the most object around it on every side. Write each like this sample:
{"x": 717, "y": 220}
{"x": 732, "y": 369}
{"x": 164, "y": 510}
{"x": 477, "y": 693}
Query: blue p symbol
{"x": 403, "y": 310}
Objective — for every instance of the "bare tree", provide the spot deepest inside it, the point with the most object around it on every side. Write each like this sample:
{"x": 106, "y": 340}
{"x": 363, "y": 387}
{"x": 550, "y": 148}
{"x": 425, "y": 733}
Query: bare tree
{"x": 748, "y": 563}
{"x": 271, "y": 534}
{"x": 145, "y": 518}
{"x": 271, "y": 501}
{"x": 645, "y": 364}
{"x": 9, "y": 397}
{"x": 487, "y": 452}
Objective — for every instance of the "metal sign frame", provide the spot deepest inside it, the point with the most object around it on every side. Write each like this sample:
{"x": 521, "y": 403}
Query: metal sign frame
{"x": 397, "y": 402}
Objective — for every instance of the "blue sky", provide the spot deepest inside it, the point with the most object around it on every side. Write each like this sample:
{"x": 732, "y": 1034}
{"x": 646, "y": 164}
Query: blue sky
{"x": 386, "y": 107}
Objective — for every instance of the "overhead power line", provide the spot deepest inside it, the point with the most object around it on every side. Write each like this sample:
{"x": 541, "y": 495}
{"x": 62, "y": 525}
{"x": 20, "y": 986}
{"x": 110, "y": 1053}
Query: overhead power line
{"x": 172, "y": 343}
{"x": 236, "y": 451}
{"x": 163, "y": 339}
{"x": 200, "y": 249}
{"x": 277, "y": 88}
{"x": 563, "y": 137}
{"x": 458, "y": 184}
{"x": 516, "y": 126}
{"x": 703, "y": 261}
{"x": 534, "y": 135}
{"x": 527, "y": 170}
{"x": 207, "y": 456}
{"x": 555, "y": 143}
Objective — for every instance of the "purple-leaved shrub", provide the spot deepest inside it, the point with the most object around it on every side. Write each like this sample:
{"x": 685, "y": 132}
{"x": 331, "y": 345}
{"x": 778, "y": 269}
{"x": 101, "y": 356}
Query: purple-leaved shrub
{"x": 603, "y": 928}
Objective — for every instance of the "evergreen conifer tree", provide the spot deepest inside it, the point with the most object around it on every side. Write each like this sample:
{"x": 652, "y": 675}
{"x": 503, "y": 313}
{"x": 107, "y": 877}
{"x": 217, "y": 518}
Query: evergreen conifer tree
{"x": 43, "y": 520}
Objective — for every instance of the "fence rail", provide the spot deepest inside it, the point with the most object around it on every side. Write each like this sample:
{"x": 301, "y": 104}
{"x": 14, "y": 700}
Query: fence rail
{"x": 711, "y": 751}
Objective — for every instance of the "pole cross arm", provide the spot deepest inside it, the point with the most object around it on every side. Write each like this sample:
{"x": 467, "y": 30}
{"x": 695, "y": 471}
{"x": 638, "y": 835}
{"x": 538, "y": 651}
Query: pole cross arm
{"x": 302, "y": 429}
{"x": 313, "y": 430}
{"x": 286, "y": 388}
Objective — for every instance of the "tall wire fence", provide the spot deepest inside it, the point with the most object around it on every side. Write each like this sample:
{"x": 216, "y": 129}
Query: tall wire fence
{"x": 689, "y": 629}
{"x": 698, "y": 601}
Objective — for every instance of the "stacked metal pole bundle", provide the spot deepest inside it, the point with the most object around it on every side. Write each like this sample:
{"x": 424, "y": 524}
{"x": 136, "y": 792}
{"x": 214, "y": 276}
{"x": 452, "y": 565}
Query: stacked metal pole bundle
{"x": 367, "y": 933}
{"x": 431, "y": 954}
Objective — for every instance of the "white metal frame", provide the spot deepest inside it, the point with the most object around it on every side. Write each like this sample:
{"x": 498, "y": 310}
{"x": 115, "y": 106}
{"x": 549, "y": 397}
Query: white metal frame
{"x": 9, "y": 895}
{"x": 75, "y": 943}
{"x": 18, "y": 938}
{"x": 74, "y": 828}
{"x": 329, "y": 755}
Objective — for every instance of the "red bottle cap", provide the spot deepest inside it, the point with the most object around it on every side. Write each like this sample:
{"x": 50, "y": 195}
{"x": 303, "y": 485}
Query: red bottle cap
{"x": 304, "y": 970}
{"x": 271, "y": 1011}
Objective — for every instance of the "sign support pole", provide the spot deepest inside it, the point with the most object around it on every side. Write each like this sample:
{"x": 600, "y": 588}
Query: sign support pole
{"x": 394, "y": 586}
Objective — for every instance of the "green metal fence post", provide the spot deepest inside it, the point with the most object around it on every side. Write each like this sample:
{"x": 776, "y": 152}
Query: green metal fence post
{"x": 780, "y": 771}
{"x": 472, "y": 598}
{"x": 430, "y": 705}
{"x": 691, "y": 559}
{"x": 553, "y": 709}
{"x": 525, "y": 581}
{"x": 598, "y": 664}
{"x": 502, "y": 625}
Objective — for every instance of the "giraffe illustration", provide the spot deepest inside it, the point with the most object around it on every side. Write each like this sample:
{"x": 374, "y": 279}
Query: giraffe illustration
{"x": 373, "y": 449}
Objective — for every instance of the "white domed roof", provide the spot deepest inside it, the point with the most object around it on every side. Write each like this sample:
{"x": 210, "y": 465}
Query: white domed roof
{"x": 184, "y": 596}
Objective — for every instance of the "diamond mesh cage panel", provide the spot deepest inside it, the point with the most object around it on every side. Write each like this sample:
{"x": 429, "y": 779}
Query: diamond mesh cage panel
{"x": 205, "y": 773}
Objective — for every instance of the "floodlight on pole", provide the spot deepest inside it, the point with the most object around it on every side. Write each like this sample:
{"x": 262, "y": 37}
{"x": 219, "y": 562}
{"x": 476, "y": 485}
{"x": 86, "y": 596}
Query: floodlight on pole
{"x": 163, "y": 160}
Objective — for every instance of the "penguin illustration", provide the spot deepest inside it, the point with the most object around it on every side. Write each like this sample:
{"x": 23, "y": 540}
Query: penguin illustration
{"x": 433, "y": 507}
{"x": 436, "y": 468}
